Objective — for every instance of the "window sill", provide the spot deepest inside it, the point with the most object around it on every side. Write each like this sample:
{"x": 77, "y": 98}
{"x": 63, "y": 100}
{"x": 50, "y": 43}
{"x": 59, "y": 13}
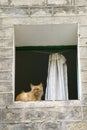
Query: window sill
{"x": 44, "y": 104}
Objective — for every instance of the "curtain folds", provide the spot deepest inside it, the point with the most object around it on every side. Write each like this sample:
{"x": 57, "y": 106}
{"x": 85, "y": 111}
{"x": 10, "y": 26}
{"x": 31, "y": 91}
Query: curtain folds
{"x": 57, "y": 85}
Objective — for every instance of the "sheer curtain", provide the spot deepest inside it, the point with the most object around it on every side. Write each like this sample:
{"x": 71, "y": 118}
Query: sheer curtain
{"x": 57, "y": 86}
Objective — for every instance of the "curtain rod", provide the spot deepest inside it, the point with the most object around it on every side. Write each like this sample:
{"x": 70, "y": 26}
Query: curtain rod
{"x": 46, "y": 47}
{"x": 51, "y": 51}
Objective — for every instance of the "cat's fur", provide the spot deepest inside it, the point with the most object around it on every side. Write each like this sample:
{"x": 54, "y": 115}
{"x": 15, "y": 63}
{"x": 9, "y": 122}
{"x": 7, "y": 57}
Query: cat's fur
{"x": 34, "y": 95}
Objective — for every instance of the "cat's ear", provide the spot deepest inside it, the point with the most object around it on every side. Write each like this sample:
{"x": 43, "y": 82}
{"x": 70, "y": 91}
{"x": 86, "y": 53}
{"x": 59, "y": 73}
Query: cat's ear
{"x": 31, "y": 85}
{"x": 41, "y": 84}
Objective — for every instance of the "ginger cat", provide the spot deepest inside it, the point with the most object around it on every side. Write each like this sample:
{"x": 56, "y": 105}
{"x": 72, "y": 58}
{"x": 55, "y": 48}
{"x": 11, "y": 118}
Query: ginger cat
{"x": 34, "y": 95}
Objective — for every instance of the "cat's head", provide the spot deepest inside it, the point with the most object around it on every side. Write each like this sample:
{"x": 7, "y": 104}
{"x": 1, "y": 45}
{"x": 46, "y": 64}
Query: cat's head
{"x": 37, "y": 89}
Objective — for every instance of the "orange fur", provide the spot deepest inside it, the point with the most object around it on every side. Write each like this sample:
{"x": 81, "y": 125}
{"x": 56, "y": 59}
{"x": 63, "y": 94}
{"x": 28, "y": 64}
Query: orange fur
{"x": 34, "y": 95}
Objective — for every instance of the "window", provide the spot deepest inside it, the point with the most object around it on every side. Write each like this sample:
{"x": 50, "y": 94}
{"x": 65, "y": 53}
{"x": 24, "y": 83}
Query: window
{"x": 33, "y": 44}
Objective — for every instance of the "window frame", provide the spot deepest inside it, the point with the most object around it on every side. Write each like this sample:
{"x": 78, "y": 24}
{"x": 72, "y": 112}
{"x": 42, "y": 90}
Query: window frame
{"x": 79, "y": 80}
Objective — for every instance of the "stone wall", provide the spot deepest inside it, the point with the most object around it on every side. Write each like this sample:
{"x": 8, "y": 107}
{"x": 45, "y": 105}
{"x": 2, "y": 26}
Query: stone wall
{"x": 45, "y": 115}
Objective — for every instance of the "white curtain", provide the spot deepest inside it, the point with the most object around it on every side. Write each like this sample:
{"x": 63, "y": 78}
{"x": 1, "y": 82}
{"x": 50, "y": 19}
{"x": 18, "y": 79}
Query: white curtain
{"x": 57, "y": 85}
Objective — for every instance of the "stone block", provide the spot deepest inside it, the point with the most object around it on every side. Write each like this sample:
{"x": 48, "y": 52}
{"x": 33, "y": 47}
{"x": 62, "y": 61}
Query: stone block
{"x": 85, "y": 113}
{"x": 36, "y": 115}
{"x": 84, "y": 75}
{"x": 76, "y": 126}
{"x": 6, "y": 64}
{"x": 3, "y": 2}
{"x": 6, "y": 43}
{"x": 13, "y": 115}
{"x": 81, "y": 19}
{"x": 9, "y": 98}
{"x": 13, "y": 21}
{"x": 14, "y": 12}
{"x": 4, "y": 127}
{"x": 50, "y": 125}
{"x": 6, "y": 87}
{"x": 6, "y": 33}
{"x": 83, "y": 31}
{"x": 68, "y": 113}
{"x": 81, "y": 2}
{"x": 83, "y": 52}
{"x": 29, "y": 126}
{"x": 59, "y": 11}
{"x": 83, "y": 64}
{"x": 2, "y": 99}
{"x": 27, "y": 2}
{"x": 0, "y": 115}
{"x": 5, "y": 99}
{"x": 81, "y": 10}
{"x": 83, "y": 42}
{"x": 84, "y": 87}
{"x": 84, "y": 99}
{"x": 59, "y": 2}
{"x": 6, "y": 76}
{"x": 41, "y": 11}
{"x": 6, "y": 53}
{"x": 43, "y": 20}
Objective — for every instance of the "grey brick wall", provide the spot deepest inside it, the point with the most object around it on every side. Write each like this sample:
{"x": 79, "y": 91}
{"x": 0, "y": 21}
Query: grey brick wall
{"x": 51, "y": 115}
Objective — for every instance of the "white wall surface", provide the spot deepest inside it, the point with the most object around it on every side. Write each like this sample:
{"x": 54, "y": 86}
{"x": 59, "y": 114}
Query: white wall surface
{"x": 43, "y": 35}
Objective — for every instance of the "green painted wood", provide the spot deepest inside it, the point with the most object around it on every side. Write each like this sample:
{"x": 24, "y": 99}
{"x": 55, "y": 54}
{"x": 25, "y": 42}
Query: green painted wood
{"x": 46, "y": 47}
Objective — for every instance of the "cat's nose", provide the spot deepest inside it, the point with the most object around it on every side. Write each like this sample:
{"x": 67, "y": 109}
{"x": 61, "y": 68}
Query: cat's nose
{"x": 37, "y": 89}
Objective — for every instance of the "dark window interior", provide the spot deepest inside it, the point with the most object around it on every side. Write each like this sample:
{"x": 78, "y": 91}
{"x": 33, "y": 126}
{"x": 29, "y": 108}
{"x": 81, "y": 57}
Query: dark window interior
{"x": 32, "y": 64}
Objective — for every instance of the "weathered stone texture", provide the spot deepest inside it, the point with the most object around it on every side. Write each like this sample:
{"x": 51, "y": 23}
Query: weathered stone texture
{"x": 43, "y": 20}
{"x": 69, "y": 113}
{"x": 83, "y": 31}
{"x": 6, "y": 43}
{"x": 3, "y": 2}
{"x": 45, "y": 104}
{"x": 4, "y": 127}
{"x": 84, "y": 99}
{"x": 59, "y": 11}
{"x": 81, "y": 2}
{"x": 35, "y": 115}
{"x": 83, "y": 64}
{"x": 84, "y": 75}
{"x": 6, "y": 87}
{"x": 83, "y": 42}
{"x": 2, "y": 100}
{"x": 76, "y": 126}
{"x": 85, "y": 113}
{"x": 41, "y": 11}
{"x": 49, "y": 125}
{"x": 27, "y": 2}
{"x": 0, "y": 115}
{"x": 10, "y": 97}
{"x": 13, "y": 115}
{"x": 84, "y": 87}
{"x": 7, "y": 76}
{"x": 29, "y": 126}
{"x": 83, "y": 52}
{"x": 6, "y": 33}
{"x": 14, "y": 12}
{"x": 5, "y": 99}
{"x": 6, "y": 64}
{"x": 6, "y": 53}
{"x": 81, "y": 10}
{"x": 59, "y": 2}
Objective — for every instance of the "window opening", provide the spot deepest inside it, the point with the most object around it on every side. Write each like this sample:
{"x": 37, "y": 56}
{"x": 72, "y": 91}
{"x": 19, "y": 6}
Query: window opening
{"x": 32, "y": 67}
{"x": 34, "y": 44}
